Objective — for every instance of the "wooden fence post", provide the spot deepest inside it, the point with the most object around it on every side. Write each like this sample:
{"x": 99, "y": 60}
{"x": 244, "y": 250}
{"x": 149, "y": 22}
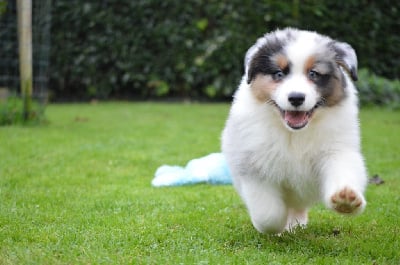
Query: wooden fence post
{"x": 24, "y": 10}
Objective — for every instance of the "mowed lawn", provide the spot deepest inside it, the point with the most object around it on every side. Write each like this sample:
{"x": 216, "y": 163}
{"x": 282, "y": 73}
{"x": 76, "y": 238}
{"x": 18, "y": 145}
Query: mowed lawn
{"x": 77, "y": 191}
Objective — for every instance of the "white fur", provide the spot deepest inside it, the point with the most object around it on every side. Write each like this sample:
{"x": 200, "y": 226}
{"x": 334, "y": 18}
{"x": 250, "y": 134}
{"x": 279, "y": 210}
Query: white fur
{"x": 279, "y": 172}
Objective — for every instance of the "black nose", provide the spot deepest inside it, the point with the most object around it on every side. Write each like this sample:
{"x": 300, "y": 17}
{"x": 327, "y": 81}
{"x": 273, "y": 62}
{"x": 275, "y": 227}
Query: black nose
{"x": 296, "y": 98}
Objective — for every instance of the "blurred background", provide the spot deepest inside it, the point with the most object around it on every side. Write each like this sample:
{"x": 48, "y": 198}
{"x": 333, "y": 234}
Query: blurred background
{"x": 191, "y": 50}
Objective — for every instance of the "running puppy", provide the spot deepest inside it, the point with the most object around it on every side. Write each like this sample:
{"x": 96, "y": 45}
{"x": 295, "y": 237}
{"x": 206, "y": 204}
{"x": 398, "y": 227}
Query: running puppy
{"x": 292, "y": 135}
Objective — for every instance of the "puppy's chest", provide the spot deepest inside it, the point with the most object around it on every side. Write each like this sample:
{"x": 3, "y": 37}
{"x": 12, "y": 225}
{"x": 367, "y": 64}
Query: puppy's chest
{"x": 297, "y": 174}
{"x": 293, "y": 165}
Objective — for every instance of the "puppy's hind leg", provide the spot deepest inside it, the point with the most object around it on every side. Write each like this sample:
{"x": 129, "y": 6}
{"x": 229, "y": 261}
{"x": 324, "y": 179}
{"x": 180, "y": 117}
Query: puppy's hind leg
{"x": 296, "y": 218}
{"x": 267, "y": 210}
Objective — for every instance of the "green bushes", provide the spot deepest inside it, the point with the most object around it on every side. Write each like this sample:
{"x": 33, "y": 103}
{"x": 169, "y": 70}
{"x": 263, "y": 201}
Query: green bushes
{"x": 149, "y": 48}
{"x": 379, "y": 91}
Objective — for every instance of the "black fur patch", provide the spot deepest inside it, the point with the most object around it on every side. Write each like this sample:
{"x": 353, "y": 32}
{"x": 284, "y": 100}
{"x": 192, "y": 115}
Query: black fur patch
{"x": 261, "y": 62}
{"x": 331, "y": 82}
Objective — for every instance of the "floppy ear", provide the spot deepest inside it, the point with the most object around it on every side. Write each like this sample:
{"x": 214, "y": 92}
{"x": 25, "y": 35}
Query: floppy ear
{"x": 346, "y": 57}
{"x": 247, "y": 60}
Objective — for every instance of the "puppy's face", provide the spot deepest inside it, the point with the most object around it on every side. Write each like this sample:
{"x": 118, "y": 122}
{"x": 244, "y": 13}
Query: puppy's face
{"x": 299, "y": 71}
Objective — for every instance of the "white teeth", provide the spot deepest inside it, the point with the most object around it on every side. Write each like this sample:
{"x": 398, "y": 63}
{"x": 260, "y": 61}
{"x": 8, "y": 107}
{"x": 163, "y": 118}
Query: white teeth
{"x": 299, "y": 125}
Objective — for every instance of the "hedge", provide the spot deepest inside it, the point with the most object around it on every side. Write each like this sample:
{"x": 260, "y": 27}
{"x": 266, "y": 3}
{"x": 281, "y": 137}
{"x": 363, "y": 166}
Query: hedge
{"x": 375, "y": 90}
{"x": 194, "y": 49}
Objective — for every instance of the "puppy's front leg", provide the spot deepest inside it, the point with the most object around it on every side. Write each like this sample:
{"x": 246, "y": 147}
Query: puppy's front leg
{"x": 343, "y": 182}
{"x": 264, "y": 202}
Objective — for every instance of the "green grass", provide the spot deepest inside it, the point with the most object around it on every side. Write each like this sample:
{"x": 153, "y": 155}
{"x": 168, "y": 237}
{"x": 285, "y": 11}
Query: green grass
{"x": 77, "y": 191}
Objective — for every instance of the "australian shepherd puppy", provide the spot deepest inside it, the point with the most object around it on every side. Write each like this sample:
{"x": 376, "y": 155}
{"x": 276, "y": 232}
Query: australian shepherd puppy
{"x": 292, "y": 136}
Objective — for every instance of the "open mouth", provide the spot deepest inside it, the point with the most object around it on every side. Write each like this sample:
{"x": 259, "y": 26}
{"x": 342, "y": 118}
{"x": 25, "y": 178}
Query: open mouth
{"x": 297, "y": 119}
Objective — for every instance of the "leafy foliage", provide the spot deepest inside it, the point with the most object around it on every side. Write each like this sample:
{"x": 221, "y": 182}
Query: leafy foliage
{"x": 152, "y": 48}
{"x": 377, "y": 90}
{"x": 3, "y": 6}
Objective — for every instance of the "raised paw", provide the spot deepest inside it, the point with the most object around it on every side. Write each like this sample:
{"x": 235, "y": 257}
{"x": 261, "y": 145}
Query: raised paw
{"x": 347, "y": 201}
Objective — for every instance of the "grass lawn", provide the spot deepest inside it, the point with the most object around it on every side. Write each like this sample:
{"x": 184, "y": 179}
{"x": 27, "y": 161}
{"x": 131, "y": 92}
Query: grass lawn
{"x": 77, "y": 191}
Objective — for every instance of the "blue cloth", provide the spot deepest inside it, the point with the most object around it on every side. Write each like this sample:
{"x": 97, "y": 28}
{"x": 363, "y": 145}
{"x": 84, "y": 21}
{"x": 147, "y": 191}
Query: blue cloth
{"x": 211, "y": 169}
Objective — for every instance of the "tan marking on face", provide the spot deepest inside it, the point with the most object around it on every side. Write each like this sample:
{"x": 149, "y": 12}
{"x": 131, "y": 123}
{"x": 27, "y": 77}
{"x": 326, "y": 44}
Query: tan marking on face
{"x": 309, "y": 64}
{"x": 262, "y": 87}
{"x": 337, "y": 91}
{"x": 281, "y": 60}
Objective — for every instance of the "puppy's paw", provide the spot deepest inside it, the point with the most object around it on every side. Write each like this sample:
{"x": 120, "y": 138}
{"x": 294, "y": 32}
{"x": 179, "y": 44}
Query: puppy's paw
{"x": 347, "y": 201}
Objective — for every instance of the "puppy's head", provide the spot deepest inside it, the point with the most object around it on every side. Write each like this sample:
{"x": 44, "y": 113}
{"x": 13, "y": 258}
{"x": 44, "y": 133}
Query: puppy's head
{"x": 299, "y": 71}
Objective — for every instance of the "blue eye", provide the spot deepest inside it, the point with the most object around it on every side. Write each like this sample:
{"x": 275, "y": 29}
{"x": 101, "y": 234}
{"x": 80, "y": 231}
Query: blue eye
{"x": 313, "y": 75}
{"x": 278, "y": 76}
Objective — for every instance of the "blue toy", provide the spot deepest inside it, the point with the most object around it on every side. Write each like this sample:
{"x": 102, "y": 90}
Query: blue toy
{"x": 210, "y": 169}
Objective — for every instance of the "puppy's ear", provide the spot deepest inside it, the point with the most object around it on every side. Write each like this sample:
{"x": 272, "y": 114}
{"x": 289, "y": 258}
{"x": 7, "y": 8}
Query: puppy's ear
{"x": 247, "y": 62}
{"x": 346, "y": 57}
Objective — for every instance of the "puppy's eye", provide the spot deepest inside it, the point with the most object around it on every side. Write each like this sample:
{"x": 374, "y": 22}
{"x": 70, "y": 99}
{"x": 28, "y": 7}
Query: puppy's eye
{"x": 278, "y": 76}
{"x": 313, "y": 75}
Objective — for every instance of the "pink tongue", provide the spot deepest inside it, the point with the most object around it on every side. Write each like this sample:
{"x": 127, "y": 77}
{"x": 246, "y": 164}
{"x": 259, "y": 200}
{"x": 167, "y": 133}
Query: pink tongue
{"x": 295, "y": 117}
